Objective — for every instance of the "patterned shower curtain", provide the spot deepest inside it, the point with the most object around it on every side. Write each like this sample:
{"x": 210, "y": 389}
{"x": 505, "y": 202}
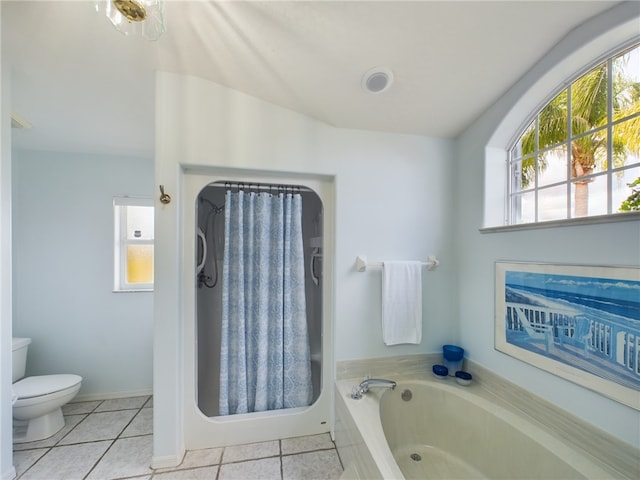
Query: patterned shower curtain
{"x": 264, "y": 359}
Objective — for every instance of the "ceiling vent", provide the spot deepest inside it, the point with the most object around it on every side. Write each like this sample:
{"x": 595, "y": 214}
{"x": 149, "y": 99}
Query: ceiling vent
{"x": 377, "y": 80}
{"x": 17, "y": 121}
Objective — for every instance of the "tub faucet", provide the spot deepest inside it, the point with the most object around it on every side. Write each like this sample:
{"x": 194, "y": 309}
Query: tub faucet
{"x": 368, "y": 383}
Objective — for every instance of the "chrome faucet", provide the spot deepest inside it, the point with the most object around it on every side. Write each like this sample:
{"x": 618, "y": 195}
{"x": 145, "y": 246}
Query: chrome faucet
{"x": 359, "y": 390}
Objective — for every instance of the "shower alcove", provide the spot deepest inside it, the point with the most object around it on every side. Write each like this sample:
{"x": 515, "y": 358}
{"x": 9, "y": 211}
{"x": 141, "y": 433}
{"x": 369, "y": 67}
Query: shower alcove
{"x": 203, "y": 246}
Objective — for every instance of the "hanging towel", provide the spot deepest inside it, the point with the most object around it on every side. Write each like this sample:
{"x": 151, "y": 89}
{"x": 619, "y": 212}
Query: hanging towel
{"x": 401, "y": 302}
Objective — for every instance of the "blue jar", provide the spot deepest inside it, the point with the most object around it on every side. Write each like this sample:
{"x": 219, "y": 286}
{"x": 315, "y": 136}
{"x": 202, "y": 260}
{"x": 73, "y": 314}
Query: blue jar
{"x": 452, "y": 356}
{"x": 440, "y": 371}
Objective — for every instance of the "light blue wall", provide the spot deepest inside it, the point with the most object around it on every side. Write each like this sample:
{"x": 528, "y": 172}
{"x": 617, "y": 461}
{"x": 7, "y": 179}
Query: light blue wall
{"x": 392, "y": 202}
{"x": 596, "y": 244}
{"x": 63, "y": 271}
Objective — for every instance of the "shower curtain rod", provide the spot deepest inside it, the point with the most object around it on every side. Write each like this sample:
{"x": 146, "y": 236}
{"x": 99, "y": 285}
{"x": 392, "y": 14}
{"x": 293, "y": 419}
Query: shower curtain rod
{"x": 264, "y": 187}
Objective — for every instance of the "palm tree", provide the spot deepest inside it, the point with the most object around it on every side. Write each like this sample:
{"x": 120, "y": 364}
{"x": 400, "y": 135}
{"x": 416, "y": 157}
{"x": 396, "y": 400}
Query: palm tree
{"x": 588, "y": 107}
{"x": 632, "y": 202}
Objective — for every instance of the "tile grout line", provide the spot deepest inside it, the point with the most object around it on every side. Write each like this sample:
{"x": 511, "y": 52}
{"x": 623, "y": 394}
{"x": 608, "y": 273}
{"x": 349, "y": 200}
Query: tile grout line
{"x": 219, "y": 463}
{"x": 320, "y": 449}
{"x": 281, "y": 464}
{"x": 48, "y": 449}
{"x": 99, "y": 459}
{"x": 55, "y": 444}
{"x": 118, "y": 436}
{"x": 153, "y": 474}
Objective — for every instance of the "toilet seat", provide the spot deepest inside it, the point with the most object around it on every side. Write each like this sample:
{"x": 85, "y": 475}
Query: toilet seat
{"x": 40, "y": 385}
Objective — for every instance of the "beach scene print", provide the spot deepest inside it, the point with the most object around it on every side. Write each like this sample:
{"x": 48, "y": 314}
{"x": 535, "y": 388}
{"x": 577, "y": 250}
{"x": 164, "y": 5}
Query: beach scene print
{"x": 589, "y": 323}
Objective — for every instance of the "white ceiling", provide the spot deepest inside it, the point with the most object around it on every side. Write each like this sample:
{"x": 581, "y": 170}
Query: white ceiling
{"x": 87, "y": 88}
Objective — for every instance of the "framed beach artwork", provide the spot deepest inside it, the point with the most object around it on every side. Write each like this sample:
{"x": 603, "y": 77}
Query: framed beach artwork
{"x": 581, "y": 323}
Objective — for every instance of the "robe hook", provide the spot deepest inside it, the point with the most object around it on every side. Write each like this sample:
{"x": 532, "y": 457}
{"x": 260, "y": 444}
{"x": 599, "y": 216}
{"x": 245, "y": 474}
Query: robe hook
{"x": 165, "y": 198}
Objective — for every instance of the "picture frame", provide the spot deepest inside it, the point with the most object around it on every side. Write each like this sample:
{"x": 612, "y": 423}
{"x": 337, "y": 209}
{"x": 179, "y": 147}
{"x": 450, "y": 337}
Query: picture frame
{"x": 579, "y": 322}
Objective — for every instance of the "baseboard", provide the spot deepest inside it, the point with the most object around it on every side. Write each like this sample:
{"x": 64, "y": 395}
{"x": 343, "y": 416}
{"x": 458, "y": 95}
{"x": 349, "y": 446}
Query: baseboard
{"x": 166, "y": 461}
{"x": 90, "y": 397}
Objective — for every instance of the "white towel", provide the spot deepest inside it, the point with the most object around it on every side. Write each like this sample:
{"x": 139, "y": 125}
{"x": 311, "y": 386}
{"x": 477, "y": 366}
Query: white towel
{"x": 401, "y": 302}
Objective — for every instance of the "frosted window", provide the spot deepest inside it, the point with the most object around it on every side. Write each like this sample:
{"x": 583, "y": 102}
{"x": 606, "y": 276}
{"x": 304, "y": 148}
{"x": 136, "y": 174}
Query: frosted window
{"x": 133, "y": 244}
{"x": 139, "y": 264}
{"x": 139, "y": 223}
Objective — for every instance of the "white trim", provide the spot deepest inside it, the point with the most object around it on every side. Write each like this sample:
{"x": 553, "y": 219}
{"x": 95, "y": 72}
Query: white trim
{"x": 133, "y": 290}
{"x": 209, "y": 432}
{"x": 10, "y": 474}
{"x": 568, "y": 80}
{"x": 166, "y": 461}
{"x": 127, "y": 200}
{"x": 92, "y": 397}
{"x": 570, "y": 222}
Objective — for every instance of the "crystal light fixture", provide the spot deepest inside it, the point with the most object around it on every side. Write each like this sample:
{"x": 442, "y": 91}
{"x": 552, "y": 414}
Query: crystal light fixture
{"x": 135, "y": 17}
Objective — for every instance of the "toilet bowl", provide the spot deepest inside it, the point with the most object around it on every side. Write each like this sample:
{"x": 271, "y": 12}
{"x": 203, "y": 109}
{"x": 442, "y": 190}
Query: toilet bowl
{"x": 37, "y": 409}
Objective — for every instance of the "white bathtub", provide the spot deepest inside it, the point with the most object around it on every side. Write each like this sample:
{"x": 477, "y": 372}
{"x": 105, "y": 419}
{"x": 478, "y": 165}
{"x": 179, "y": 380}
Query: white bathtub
{"x": 449, "y": 431}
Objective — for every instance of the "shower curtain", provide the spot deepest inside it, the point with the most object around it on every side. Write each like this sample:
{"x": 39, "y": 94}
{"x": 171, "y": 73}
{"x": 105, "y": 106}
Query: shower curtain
{"x": 264, "y": 359}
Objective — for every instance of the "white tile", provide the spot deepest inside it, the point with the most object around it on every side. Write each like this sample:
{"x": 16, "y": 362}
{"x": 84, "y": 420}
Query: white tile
{"x": 250, "y": 451}
{"x": 142, "y": 424}
{"x": 306, "y": 444}
{"x": 201, "y": 458}
{"x": 122, "y": 404}
{"x": 321, "y": 465}
{"x": 99, "y": 426}
{"x": 68, "y": 462}
{"x": 201, "y": 473}
{"x": 75, "y": 408}
{"x": 196, "y": 458}
{"x": 206, "y": 456}
{"x": 70, "y": 421}
{"x": 23, "y": 460}
{"x": 265, "y": 469}
{"x": 127, "y": 457}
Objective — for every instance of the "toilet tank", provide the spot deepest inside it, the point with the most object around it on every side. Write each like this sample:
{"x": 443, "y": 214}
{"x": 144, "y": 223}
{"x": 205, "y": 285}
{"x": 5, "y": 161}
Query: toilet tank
{"x": 20, "y": 347}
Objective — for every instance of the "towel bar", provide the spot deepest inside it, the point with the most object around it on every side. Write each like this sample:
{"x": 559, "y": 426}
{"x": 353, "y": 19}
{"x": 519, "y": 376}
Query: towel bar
{"x": 362, "y": 263}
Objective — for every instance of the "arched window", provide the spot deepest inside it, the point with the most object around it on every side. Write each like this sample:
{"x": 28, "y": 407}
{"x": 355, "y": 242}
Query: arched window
{"x": 580, "y": 154}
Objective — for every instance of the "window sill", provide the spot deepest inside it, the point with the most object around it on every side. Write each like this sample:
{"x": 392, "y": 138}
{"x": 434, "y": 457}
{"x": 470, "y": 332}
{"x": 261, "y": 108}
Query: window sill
{"x": 571, "y": 222}
{"x": 134, "y": 291}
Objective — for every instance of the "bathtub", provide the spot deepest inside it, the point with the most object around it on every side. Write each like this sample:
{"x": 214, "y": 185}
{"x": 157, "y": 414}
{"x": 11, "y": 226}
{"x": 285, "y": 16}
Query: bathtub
{"x": 448, "y": 431}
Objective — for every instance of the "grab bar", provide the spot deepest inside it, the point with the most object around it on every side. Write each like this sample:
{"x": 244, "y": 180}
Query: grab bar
{"x": 312, "y": 266}
{"x": 203, "y": 239}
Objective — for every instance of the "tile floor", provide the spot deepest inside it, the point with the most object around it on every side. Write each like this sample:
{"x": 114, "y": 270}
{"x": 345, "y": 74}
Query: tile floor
{"x": 112, "y": 439}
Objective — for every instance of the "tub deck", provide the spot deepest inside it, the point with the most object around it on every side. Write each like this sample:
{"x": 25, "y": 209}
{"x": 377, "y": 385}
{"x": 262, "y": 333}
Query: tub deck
{"x": 367, "y": 454}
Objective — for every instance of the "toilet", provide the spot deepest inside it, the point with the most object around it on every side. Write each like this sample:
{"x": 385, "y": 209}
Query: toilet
{"x": 38, "y": 400}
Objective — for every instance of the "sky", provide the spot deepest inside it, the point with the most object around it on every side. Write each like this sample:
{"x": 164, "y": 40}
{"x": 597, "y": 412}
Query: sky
{"x": 611, "y": 288}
